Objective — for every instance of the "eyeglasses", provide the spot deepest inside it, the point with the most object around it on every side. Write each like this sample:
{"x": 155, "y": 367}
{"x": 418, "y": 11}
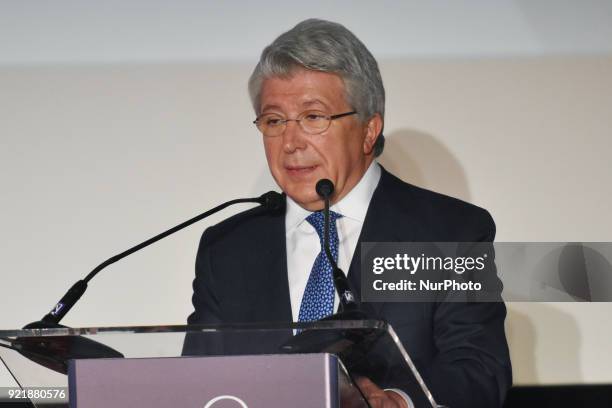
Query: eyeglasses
{"x": 311, "y": 122}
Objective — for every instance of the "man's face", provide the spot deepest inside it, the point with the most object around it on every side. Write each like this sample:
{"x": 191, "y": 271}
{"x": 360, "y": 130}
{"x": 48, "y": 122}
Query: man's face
{"x": 297, "y": 160}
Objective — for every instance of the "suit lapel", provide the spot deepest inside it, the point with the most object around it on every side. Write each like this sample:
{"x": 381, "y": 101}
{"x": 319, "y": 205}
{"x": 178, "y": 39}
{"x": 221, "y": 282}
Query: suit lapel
{"x": 385, "y": 221}
{"x": 275, "y": 305}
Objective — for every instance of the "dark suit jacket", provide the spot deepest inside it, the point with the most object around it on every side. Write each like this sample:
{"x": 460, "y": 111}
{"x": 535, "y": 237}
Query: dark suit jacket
{"x": 460, "y": 348}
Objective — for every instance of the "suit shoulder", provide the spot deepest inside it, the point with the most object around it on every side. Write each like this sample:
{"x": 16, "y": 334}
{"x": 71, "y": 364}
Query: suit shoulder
{"x": 244, "y": 226}
{"x": 462, "y": 220}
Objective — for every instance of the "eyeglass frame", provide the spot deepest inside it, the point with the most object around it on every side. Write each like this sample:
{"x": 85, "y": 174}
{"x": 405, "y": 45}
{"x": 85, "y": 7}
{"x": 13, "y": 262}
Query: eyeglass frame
{"x": 328, "y": 117}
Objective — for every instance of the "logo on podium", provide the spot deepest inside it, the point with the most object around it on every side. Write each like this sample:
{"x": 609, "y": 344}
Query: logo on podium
{"x": 213, "y": 401}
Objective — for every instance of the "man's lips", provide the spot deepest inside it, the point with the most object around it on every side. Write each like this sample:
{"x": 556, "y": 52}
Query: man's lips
{"x": 300, "y": 170}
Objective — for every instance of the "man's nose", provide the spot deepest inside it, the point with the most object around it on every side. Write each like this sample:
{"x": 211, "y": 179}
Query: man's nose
{"x": 293, "y": 137}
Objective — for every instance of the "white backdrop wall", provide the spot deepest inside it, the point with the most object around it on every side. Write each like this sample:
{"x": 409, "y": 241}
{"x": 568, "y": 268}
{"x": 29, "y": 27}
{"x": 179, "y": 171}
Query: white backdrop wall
{"x": 106, "y": 145}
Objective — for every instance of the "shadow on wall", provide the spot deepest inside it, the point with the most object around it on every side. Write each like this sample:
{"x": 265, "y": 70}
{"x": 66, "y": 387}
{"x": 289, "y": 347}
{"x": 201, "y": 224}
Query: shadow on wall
{"x": 559, "y": 351}
{"x": 520, "y": 332}
{"x": 421, "y": 159}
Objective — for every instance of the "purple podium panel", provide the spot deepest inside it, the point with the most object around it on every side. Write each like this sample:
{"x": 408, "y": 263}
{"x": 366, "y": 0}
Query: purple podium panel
{"x": 261, "y": 381}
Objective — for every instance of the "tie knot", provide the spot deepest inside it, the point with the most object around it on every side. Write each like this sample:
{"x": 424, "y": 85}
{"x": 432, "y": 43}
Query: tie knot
{"x": 317, "y": 220}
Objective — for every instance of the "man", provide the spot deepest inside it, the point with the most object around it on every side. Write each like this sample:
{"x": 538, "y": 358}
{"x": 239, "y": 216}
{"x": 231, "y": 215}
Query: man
{"x": 319, "y": 101}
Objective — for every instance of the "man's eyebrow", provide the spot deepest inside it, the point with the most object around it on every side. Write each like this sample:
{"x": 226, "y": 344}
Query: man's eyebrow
{"x": 314, "y": 102}
{"x": 266, "y": 107}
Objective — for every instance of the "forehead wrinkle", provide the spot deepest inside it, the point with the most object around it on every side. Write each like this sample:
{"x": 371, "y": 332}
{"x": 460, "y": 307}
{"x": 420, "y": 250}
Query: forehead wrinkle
{"x": 316, "y": 101}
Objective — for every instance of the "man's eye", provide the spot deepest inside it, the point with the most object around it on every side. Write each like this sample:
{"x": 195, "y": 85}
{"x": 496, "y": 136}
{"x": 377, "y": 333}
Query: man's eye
{"x": 313, "y": 117}
{"x": 273, "y": 121}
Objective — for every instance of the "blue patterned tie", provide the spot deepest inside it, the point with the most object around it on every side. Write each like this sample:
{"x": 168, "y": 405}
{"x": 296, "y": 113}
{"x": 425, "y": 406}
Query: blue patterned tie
{"x": 318, "y": 299}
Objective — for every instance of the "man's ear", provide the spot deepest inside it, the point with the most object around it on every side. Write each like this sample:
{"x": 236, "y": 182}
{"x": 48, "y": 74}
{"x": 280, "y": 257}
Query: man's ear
{"x": 373, "y": 127}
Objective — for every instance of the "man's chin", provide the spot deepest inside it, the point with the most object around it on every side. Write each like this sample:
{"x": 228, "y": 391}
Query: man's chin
{"x": 306, "y": 199}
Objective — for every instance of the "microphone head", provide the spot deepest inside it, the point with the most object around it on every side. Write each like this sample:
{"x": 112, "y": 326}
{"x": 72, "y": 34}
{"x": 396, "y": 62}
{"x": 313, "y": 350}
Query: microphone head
{"x": 325, "y": 188}
{"x": 271, "y": 201}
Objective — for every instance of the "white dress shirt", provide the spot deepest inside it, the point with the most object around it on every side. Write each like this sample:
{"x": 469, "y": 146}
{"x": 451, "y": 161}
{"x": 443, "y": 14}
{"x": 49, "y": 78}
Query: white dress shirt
{"x": 303, "y": 244}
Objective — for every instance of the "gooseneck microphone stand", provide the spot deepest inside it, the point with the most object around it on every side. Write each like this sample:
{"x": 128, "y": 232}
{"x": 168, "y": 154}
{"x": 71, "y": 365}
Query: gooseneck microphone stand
{"x": 348, "y": 307}
{"x": 54, "y": 351}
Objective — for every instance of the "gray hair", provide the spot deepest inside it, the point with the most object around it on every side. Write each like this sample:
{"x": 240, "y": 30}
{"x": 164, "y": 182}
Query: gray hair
{"x": 324, "y": 46}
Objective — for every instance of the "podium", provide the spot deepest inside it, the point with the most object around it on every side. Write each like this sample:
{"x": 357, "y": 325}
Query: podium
{"x": 214, "y": 366}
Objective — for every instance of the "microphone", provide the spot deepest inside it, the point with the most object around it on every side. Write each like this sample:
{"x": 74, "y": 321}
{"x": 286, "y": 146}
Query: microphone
{"x": 349, "y": 309}
{"x": 270, "y": 201}
{"x": 325, "y": 189}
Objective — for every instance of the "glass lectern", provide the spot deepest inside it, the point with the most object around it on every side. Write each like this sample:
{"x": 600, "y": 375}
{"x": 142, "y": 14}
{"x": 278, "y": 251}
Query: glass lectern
{"x": 62, "y": 367}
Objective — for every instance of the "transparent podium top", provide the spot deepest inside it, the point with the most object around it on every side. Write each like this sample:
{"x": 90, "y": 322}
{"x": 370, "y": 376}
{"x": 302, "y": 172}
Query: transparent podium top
{"x": 39, "y": 358}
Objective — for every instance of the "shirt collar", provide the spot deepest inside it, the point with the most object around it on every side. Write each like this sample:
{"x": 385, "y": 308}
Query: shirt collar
{"x": 354, "y": 205}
